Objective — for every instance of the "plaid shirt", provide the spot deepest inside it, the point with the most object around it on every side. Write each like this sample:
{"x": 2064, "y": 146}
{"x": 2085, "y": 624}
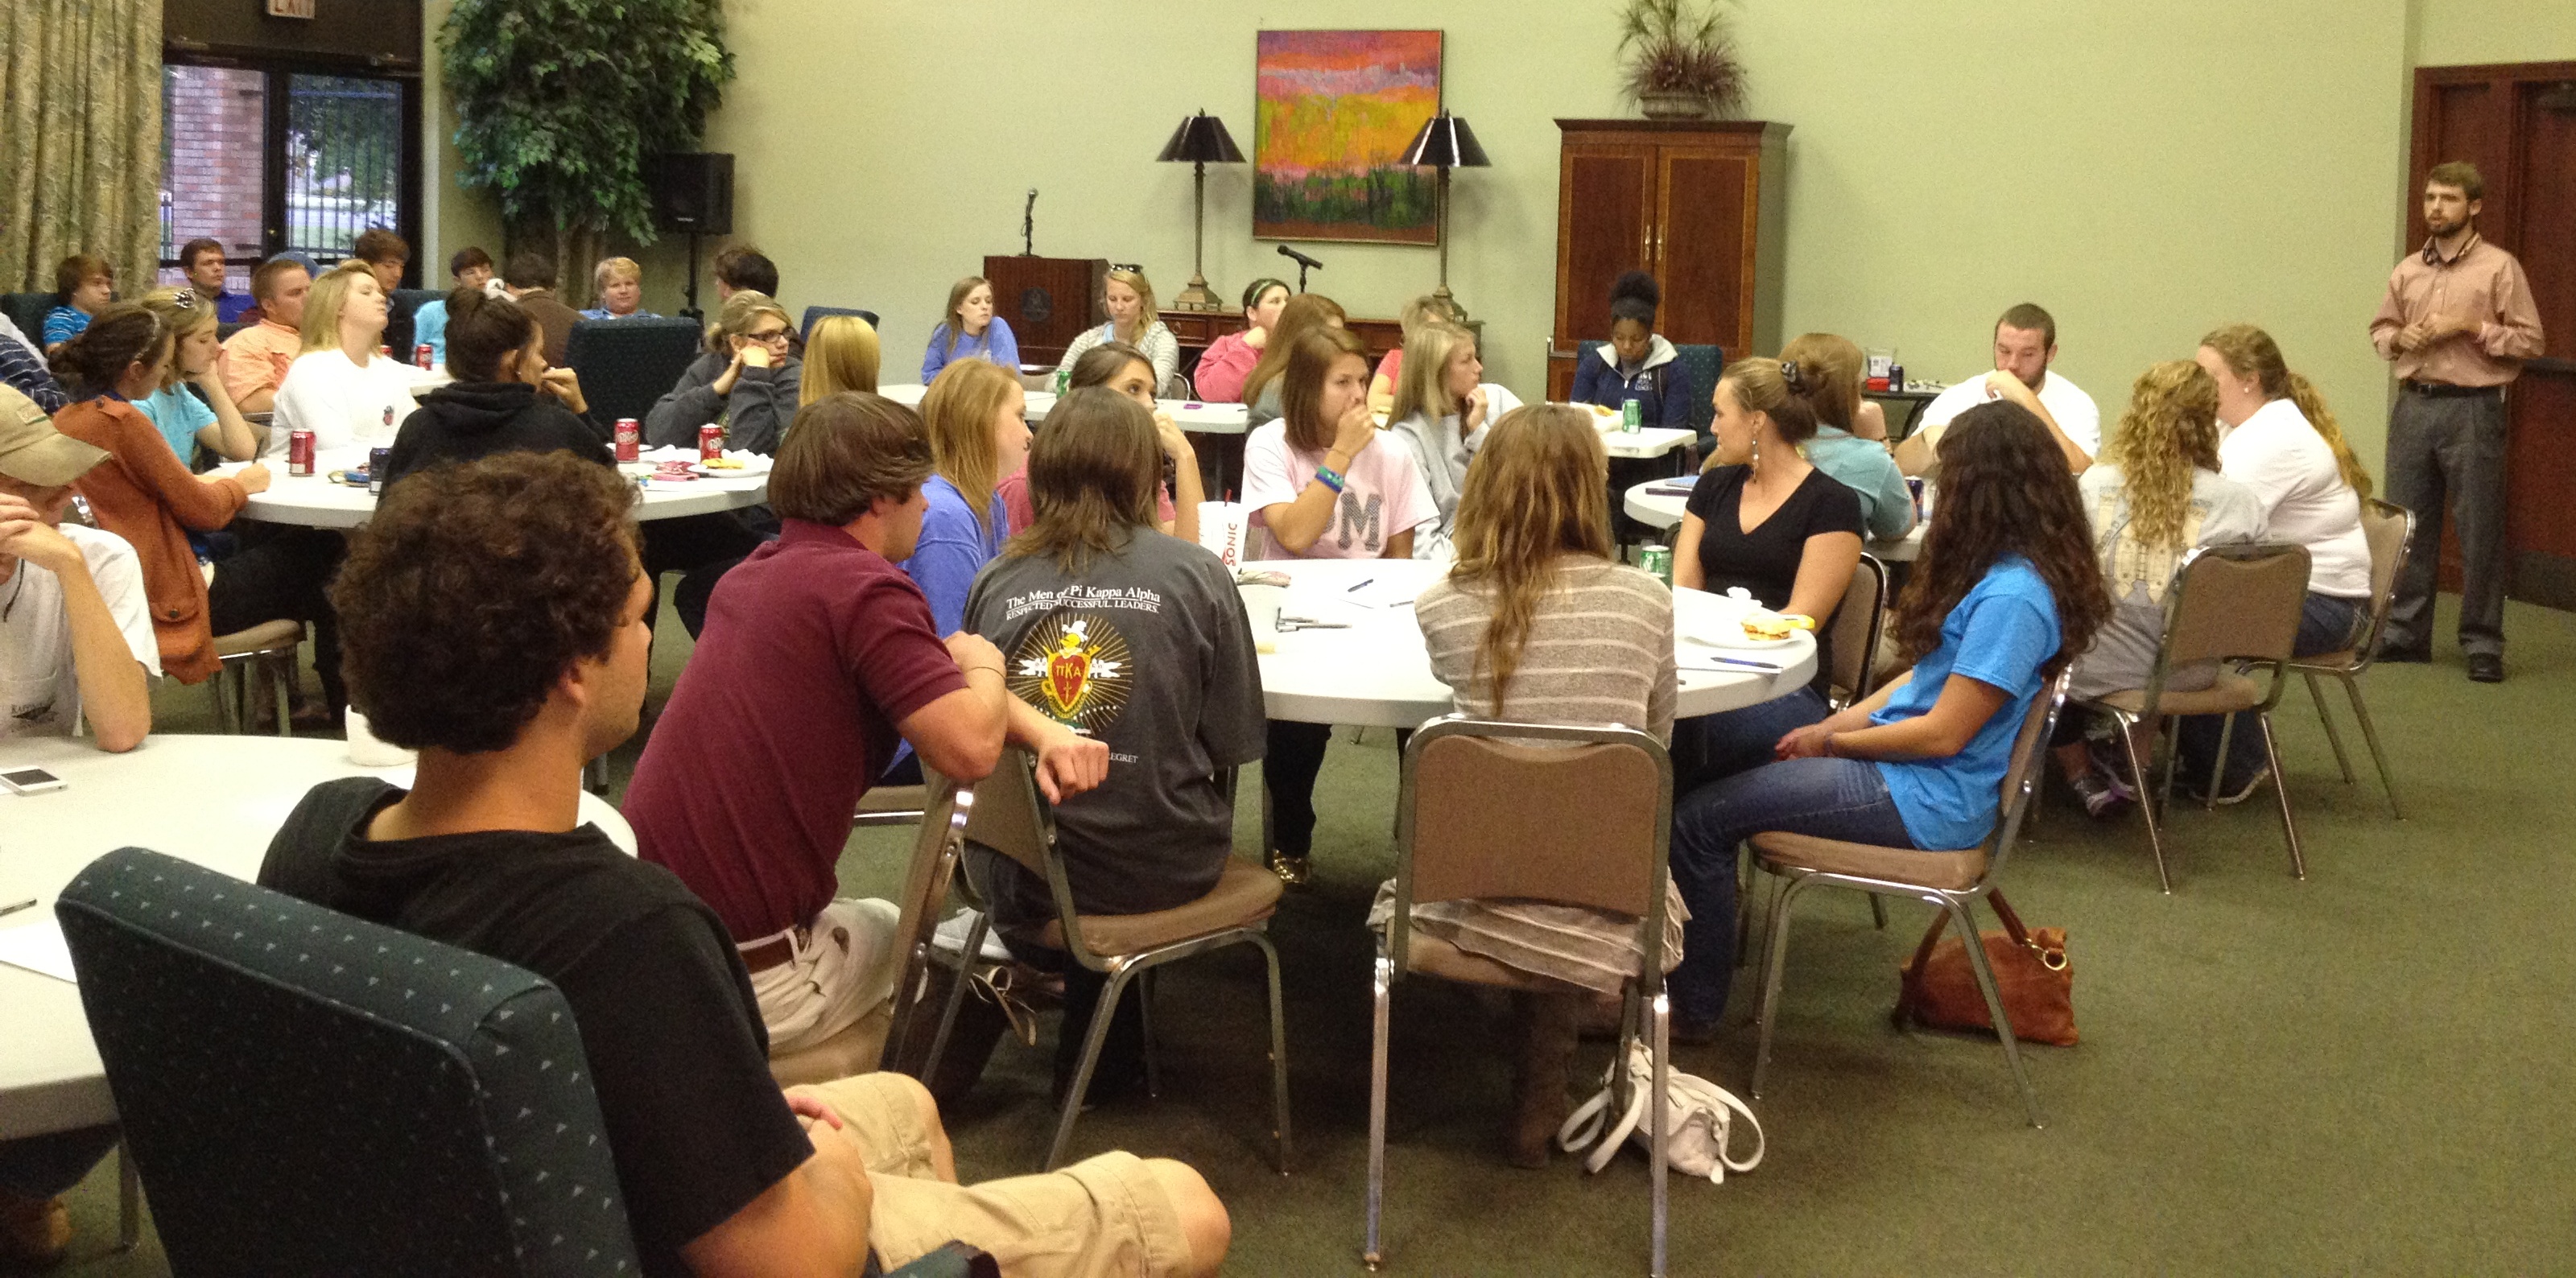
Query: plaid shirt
{"x": 20, "y": 368}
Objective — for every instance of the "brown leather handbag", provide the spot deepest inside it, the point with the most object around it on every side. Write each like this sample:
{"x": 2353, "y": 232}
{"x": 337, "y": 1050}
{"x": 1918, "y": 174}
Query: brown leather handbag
{"x": 1937, "y": 988}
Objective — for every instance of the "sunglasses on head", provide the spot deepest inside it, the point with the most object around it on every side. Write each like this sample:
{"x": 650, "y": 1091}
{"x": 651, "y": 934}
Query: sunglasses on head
{"x": 1131, "y": 268}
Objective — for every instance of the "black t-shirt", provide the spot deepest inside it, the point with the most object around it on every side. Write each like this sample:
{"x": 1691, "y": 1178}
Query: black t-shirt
{"x": 668, "y": 1022}
{"x": 1765, "y": 561}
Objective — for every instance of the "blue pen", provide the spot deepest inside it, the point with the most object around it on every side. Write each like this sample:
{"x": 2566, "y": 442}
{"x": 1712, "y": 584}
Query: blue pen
{"x": 1356, "y": 589}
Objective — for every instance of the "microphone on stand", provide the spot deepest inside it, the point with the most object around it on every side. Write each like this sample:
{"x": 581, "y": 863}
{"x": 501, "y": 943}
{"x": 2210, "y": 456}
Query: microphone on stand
{"x": 1304, "y": 264}
{"x": 1029, "y": 225}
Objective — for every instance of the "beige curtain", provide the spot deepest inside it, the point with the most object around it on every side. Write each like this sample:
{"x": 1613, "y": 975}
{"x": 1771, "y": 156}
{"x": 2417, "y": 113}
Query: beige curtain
{"x": 80, "y": 139}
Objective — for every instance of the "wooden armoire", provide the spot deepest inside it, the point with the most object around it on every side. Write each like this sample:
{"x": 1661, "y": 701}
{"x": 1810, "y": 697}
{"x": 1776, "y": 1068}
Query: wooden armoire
{"x": 1695, "y": 203}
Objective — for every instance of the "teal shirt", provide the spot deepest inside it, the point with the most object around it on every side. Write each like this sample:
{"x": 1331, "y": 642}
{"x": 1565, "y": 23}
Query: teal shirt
{"x": 1861, "y": 465}
{"x": 179, "y": 416}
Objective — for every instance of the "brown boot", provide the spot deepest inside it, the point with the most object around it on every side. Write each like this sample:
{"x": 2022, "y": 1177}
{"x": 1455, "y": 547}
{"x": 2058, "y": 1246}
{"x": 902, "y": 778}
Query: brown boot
{"x": 1539, "y": 1105}
{"x": 34, "y": 1232}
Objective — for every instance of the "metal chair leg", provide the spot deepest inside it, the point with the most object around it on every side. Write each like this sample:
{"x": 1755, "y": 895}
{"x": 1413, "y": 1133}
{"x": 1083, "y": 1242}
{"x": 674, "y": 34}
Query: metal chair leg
{"x": 1278, "y": 1050}
{"x": 129, "y": 1199}
{"x": 2370, "y": 735}
{"x": 1966, "y": 923}
{"x": 1381, "y": 981}
{"x": 2281, "y": 792}
{"x": 2218, "y": 767}
{"x": 1662, "y": 1046}
{"x": 1145, "y": 1023}
{"x": 956, "y": 994}
{"x": 1878, "y": 910}
{"x": 2333, "y": 738}
{"x": 283, "y": 684}
{"x": 1773, "y": 961}
{"x": 1119, "y": 975}
{"x": 2147, "y": 806}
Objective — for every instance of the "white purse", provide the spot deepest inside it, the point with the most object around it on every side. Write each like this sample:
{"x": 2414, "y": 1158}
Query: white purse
{"x": 1699, "y": 1116}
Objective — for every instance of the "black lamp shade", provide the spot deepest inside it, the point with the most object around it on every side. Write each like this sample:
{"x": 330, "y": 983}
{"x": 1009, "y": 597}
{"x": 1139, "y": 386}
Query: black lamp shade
{"x": 1202, "y": 139}
{"x": 1446, "y": 142}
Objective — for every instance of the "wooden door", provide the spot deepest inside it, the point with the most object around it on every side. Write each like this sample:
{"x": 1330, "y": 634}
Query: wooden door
{"x": 2517, "y": 123}
{"x": 1605, "y": 203}
{"x": 1704, "y": 246}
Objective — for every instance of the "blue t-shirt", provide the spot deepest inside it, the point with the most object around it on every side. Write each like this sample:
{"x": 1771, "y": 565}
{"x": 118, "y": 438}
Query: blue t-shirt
{"x": 179, "y": 415}
{"x": 63, "y": 323}
{"x": 946, "y": 348}
{"x": 952, "y": 549}
{"x": 1998, "y": 635}
{"x": 429, "y": 328}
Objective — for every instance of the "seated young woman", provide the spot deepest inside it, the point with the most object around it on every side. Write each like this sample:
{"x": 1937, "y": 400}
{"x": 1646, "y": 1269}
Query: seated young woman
{"x": 1540, "y": 623}
{"x": 2282, "y": 442}
{"x": 1442, "y": 410}
{"x": 86, "y": 284}
{"x": 1230, "y": 358}
{"x": 746, "y": 381}
{"x": 505, "y": 397}
{"x": 1832, "y": 368}
{"x": 1124, "y": 369}
{"x": 1129, "y": 299}
{"x": 2004, "y": 595}
{"x": 976, "y": 415}
{"x": 1182, "y": 705}
{"x": 143, "y": 494}
{"x": 968, "y": 329}
{"x": 206, "y": 418}
{"x": 1323, "y": 483}
{"x": 1763, "y": 520}
{"x": 339, "y": 388}
{"x": 1430, "y": 308}
{"x": 2154, "y": 495}
{"x": 842, "y": 355}
{"x": 1301, "y": 315}
{"x": 1638, "y": 363}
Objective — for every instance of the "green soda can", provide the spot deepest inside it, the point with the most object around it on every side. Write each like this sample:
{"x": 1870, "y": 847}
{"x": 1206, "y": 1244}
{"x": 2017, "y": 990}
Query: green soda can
{"x": 1632, "y": 417}
{"x": 1063, "y": 378}
{"x": 1656, "y": 559}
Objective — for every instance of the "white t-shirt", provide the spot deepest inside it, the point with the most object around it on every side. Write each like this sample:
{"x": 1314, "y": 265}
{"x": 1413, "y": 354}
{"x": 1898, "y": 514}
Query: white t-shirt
{"x": 2072, "y": 408}
{"x": 347, "y": 408}
{"x": 2293, "y": 473}
{"x": 1383, "y": 493}
{"x": 39, "y": 688}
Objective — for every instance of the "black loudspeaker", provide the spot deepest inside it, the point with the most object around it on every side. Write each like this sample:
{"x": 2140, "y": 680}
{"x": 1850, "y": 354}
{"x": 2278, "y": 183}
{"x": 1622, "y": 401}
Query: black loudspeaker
{"x": 693, "y": 192}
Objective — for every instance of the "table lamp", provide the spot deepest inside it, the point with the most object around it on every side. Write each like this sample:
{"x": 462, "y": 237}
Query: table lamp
{"x": 1200, "y": 141}
{"x": 1446, "y": 142}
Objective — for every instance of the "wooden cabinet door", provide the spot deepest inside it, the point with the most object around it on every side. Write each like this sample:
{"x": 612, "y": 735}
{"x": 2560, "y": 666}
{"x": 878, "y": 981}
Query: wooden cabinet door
{"x": 1704, "y": 223}
{"x": 1605, "y": 200}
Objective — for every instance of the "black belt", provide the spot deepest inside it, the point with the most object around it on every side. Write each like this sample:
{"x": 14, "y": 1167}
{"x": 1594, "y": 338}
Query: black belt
{"x": 2445, "y": 390}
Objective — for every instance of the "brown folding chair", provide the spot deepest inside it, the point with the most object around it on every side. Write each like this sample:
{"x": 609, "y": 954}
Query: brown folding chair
{"x": 269, "y": 647}
{"x": 1856, "y": 627}
{"x": 1590, "y": 823}
{"x": 2228, "y": 604}
{"x": 2389, "y": 529}
{"x": 1011, "y": 817}
{"x": 883, "y": 1036}
{"x": 1951, "y": 881}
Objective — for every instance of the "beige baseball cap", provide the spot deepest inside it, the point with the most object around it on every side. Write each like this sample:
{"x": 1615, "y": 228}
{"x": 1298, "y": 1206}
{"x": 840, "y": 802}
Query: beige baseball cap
{"x": 33, "y": 452}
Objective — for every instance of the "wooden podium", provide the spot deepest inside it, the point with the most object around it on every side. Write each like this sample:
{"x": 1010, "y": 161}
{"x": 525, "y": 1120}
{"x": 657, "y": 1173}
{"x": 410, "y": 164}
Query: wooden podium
{"x": 1047, "y": 301}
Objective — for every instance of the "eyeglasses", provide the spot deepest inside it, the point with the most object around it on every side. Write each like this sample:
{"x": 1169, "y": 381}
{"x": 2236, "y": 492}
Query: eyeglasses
{"x": 773, "y": 335}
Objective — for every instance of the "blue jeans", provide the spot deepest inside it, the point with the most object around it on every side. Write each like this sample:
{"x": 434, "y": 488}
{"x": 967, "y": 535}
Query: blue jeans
{"x": 1830, "y": 798}
{"x": 2326, "y": 624}
{"x": 1713, "y": 747}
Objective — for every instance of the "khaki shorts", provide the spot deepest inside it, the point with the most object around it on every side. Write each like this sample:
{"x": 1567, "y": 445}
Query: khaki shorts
{"x": 844, "y": 966}
{"x": 1105, "y": 1215}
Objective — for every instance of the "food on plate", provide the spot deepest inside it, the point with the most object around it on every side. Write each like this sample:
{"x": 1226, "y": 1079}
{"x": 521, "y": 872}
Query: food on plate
{"x": 1770, "y": 627}
{"x": 1260, "y": 577}
{"x": 723, "y": 463}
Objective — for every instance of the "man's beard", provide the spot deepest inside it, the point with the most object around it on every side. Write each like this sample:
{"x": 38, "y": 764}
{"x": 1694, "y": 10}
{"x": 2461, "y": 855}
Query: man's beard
{"x": 2445, "y": 230}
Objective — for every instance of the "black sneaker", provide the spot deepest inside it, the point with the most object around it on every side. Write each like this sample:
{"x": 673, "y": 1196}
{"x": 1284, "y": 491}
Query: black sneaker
{"x": 2104, "y": 797}
{"x": 2486, "y": 667}
{"x": 2398, "y": 653}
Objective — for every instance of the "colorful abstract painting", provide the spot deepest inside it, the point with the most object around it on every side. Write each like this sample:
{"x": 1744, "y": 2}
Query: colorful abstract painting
{"x": 1336, "y": 110}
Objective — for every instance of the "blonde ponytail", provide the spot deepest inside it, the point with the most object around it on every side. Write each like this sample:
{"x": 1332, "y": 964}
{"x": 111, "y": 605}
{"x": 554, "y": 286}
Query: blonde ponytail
{"x": 2312, "y": 406}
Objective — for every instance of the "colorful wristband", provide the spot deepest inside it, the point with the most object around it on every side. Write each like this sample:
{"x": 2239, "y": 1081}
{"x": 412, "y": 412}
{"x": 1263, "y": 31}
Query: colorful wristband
{"x": 1331, "y": 478}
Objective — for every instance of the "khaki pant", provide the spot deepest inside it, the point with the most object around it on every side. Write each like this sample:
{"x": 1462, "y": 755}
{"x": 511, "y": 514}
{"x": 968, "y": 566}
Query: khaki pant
{"x": 844, "y": 966}
{"x": 1105, "y": 1215}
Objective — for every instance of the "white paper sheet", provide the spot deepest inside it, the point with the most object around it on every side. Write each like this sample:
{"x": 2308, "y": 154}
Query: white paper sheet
{"x": 38, "y": 947}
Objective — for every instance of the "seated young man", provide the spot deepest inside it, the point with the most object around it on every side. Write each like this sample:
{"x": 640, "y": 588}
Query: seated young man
{"x": 818, "y": 652}
{"x": 75, "y": 644}
{"x": 493, "y": 614}
{"x": 255, "y": 359}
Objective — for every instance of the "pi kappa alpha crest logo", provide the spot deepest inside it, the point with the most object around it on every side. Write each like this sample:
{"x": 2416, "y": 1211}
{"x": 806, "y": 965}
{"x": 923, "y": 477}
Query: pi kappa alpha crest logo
{"x": 1075, "y": 671}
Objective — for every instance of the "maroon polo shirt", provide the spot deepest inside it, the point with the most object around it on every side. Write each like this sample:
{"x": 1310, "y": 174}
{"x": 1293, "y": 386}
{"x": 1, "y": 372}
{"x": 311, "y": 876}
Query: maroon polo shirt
{"x": 815, "y": 648}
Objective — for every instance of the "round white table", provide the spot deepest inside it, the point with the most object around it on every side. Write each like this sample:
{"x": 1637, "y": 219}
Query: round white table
{"x": 1646, "y": 443}
{"x": 1664, "y": 510}
{"x": 1377, "y": 673}
{"x": 314, "y": 501}
{"x": 1189, "y": 414}
{"x": 212, "y": 800}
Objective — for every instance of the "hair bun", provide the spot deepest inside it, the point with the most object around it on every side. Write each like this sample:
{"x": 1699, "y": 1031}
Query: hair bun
{"x": 1790, "y": 375}
{"x": 1638, "y": 285}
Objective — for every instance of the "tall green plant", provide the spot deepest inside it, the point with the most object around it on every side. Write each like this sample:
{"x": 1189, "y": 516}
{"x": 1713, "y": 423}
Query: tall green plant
{"x": 560, "y": 102}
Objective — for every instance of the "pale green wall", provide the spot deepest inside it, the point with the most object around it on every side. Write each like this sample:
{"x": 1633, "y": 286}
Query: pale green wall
{"x": 2145, "y": 172}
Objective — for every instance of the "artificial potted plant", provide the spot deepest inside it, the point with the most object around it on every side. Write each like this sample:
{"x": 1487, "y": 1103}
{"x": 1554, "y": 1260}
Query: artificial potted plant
{"x": 1681, "y": 64}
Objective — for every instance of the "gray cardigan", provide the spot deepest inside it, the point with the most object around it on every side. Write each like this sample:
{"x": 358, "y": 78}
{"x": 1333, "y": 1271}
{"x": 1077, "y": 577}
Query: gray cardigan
{"x": 755, "y": 415}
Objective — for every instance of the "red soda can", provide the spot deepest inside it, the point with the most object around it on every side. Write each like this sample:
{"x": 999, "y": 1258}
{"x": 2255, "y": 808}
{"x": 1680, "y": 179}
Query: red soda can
{"x": 299, "y": 452}
{"x": 630, "y": 439}
{"x": 710, "y": 442}
{"x": 421, "y": 355}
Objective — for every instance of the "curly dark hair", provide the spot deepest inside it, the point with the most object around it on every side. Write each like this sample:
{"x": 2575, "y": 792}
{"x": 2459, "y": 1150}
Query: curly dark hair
{"x": 475, "y": 587}
{"x": 2005, "y": 490}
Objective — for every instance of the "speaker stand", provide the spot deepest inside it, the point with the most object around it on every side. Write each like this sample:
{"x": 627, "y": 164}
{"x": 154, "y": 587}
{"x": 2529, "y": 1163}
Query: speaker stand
{"x": 691, "y": 310}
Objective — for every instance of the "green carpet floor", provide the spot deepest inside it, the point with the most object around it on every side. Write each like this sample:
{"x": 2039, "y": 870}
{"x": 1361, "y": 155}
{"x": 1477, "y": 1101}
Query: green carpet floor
{"x": 2363, "y": 1072}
